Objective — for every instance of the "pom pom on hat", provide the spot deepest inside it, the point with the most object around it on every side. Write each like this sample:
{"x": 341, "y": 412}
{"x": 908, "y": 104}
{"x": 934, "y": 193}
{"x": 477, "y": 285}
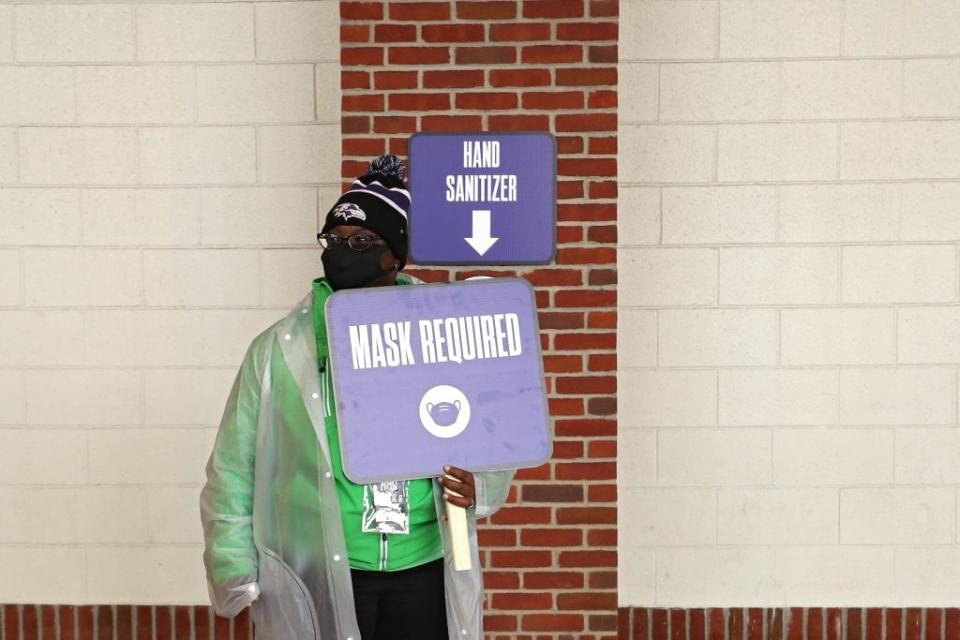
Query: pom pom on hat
{"x": 387, "y": 165}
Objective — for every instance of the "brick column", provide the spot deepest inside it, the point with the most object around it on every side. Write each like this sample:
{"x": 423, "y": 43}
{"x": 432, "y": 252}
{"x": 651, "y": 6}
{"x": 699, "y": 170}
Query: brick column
{"x": 550, "y": 555}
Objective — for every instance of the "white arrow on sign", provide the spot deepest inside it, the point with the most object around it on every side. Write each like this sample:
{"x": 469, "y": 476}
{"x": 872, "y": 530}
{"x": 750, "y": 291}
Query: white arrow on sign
{"x": 481, "y": 240}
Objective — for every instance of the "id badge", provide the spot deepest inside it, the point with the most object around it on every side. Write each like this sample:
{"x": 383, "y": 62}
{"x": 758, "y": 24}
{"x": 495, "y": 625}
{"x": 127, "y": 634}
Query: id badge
{"x": 386, "y": 507}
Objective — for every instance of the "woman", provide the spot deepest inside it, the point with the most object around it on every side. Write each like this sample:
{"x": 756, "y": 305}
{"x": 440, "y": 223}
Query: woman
{"x": 317, "y": 555}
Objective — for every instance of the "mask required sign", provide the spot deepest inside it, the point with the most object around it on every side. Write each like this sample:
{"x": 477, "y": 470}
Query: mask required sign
{"x": 483, "y": 198}
{"x": 430, "y": 375}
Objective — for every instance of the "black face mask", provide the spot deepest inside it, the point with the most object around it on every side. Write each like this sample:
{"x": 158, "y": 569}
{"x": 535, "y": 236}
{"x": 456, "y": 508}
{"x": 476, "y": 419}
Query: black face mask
{"x": 348, "y": 269}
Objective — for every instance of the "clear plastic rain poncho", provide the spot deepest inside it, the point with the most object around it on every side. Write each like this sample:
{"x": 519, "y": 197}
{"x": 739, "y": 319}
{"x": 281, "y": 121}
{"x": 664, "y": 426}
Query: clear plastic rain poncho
{"x": 270, "y": 510}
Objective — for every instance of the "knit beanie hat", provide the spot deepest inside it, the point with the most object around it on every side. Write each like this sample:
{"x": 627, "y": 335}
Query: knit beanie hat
{"x": 379, "y": 201}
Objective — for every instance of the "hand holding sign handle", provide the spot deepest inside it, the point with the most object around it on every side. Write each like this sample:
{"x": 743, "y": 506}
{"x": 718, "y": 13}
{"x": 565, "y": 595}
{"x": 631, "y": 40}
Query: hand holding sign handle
{"x": 459, "y": 493}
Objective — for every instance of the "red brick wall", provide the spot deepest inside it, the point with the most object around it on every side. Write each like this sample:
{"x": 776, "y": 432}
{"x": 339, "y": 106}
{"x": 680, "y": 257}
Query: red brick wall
{"x": 550, "y": 555}
{"x": 795, "y": 623}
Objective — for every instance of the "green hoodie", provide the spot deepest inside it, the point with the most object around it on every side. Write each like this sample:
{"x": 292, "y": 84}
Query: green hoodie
{"x": 371, "y": 550}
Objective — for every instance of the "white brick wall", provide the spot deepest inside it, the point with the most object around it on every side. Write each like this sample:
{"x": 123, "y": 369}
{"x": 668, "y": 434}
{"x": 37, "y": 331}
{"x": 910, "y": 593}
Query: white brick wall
{"x": 162, "y": 170}
{"x": 789, "y": 336}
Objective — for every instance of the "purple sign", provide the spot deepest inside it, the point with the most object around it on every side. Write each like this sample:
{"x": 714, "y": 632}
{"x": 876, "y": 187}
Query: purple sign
{"x": 483, "y": 198}
{"x": 428, "y": 375}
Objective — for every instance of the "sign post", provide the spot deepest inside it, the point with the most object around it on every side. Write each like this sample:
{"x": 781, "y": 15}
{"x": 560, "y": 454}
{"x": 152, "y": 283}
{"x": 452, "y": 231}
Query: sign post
{"x": 483, "y": 198}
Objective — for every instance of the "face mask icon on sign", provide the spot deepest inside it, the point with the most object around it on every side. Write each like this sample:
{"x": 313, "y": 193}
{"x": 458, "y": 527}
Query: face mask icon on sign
{"x": 444, "y": 411}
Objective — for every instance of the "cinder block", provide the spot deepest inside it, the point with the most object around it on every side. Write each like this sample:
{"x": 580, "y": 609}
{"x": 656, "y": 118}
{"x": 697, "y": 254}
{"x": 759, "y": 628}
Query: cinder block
{"x": 839, "y": 212}
{"x": 899, "y": 150}
{"x": 637, "y": 455}
{"x": 713, "y": 457}
{"x": 140, "y": 217}
{"x": 717, "y": 337}
{"x": 286, "y": 273}
{"x": 636, "y": 338}
{"x": 683, "y": 276}
{"x": 198, "y": 155}
{"x": 638, "y": 88}
{"x": 33, "y": 566}
{"x": 255, "y": 93}
{"x": 831, "y": 457}
{"x": 38, "y": 216}
{"x": 675, "y": 517}
{"x": 201, "y": 277}
{"x": 780, "y": 28}
{"x": 147, "y": 456}
{"x": 666, "y": 153}
{"x": 74, "y": 33}
{"x": 777, "y": 397}
{"x": 719, "y": 91}
{"x": 82, "y": 277}
{"x": 41, "y": 337}
{"x": 64, "y": 459}
{"x": 906, "y": 273}
{"x": 638, "y": 215}
{"x": 298, "y": 31}
{"x": 105, "y": 515}
{"x": 260, "y": 216}
{"x": 928, "y": 456}
{"x": 777, "y": 516}
{"x": 931, "y": 88}
{"x": 6, "y": 33}
{"x": 837, "y": 336}
{"x": 36, "y": 95}
{"x": 328, "y": 94}
{"x": 898, "y": 395}
{"x": 928, "y": 334}
{"x": 143, "y": 337}
{"x": 227, "y": 333}
{"x": 636, "y": 584}
{"x": 773, "y": 152}
{"x": 779, "y": 275}
{"x": 15, "y": 506}
{"x": 10, "y": 278}
{"x": 901, "y": 27}
{"x": 195, "y": 31}
{"x": 841, "y": 89}
{"x": 668, "y": 30}
{"x": 300, "y": 154}
{"x": 13, "y": 406}
{"x": 77, "y": 155}
{"x": 859, "y": 575}
{"x": 8, "y": 156}
{"x": 699, "y": 574}
{"x": 928, "y": 575}
{"x": 897, "y": 516}
{"x": 192, "y": 397}
{"x": 929, "y": 211}
{"x": 173, "y": 514}
{"x": 667, "y": 398}
{"x": 80, "y": 397}
{"x": 115, "y": 573}
{"x": 144, "y": 94}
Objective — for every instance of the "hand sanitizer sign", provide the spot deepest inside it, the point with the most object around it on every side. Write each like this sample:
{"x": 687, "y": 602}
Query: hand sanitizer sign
{"x": 483, "y": 198}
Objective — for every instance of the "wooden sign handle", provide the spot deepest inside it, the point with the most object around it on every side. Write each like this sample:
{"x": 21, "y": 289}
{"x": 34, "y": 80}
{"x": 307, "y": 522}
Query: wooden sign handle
{"x": 459, "y": 535}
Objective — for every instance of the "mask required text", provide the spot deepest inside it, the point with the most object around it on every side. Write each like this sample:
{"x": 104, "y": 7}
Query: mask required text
{"x": 456, "y": 339}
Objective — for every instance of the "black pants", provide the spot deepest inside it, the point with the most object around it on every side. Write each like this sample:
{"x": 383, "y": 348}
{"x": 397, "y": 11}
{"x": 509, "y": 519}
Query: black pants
{"x": 401, "y": 605}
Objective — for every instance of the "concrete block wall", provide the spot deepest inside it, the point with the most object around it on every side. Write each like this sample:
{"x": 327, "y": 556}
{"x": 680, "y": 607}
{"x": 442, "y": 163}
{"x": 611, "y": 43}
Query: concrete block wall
{"x": 789, "y": 323}
{"x": 162, "y": 166}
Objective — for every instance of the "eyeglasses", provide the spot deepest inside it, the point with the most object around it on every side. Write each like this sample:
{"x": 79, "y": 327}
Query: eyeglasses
{"x": 359, "y": 241}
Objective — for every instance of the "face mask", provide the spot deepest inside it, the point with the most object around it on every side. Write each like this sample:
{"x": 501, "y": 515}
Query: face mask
{"x": 348, "y": 269}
